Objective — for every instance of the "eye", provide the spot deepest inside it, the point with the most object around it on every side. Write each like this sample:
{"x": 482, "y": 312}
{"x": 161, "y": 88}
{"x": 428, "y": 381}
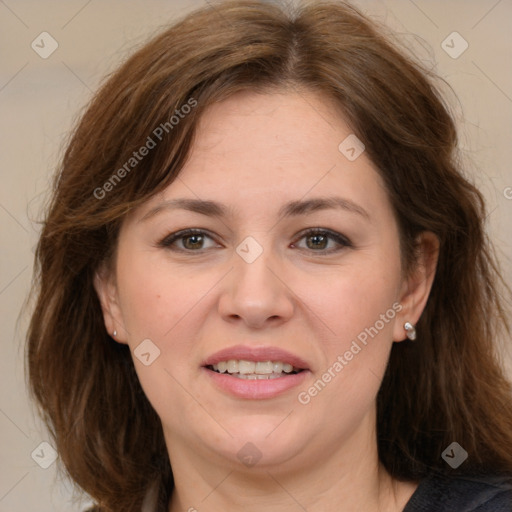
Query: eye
{"x": 318, "y": 239}
{"x": 191, "y": 240}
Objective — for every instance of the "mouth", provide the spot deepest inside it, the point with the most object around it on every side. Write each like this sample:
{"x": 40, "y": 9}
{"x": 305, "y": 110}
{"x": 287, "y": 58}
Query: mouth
{"x": 250, "y": 372}
{"x": 254, "y": 370}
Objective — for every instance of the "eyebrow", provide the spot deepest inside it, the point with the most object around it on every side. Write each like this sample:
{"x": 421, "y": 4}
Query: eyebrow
{"x": 290, "y": 209}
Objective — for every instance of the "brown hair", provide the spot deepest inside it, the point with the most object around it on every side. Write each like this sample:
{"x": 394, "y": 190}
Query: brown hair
{"x": 447, "y": 386}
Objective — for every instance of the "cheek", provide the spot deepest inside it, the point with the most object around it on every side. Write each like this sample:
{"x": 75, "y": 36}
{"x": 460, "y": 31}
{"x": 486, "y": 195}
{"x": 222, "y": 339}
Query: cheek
{"x": 153, "y": 297}
{"x": 156, "y": 305}
{"x": 360, "y": 314}
{"x": 359, "y": 305}
{"x": 353, "y": 298}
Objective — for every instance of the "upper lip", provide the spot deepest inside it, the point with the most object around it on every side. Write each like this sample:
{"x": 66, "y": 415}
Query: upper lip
{"x": 255, "y": 354}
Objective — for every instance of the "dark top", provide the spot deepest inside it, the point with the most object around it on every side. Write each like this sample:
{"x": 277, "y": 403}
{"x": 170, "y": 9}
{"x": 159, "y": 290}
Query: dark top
{"x": 443, "y": 494}
{"x": 462, "y": 494}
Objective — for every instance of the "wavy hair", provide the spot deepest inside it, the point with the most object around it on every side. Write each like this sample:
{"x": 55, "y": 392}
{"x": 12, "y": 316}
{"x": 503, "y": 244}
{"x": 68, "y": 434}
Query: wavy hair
{"x": 446, "y": 386}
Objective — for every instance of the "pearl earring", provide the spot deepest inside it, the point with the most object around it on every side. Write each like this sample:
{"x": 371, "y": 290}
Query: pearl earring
{"x": 410, "y": 331}
{"x": 114, "y": 334}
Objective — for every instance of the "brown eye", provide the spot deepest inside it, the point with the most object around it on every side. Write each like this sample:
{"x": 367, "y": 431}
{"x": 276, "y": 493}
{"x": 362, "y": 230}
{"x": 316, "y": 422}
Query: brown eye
{"x": 318, "y": 240}
{"x": 189, "y": 240}
{"x": 193, "y": 241}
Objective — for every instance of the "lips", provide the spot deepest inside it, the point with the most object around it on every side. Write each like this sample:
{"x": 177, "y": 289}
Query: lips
{"x": 244, "y": 372}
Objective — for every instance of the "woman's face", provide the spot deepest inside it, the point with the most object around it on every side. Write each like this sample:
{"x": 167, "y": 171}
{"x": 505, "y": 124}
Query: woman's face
{"x": 255, "y": 284}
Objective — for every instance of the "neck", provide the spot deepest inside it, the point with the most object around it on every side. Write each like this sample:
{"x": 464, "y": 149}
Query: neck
{"x": 344, "y": 479}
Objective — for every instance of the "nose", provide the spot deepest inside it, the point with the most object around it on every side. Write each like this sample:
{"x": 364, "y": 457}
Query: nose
{"x": 257, "y": 293}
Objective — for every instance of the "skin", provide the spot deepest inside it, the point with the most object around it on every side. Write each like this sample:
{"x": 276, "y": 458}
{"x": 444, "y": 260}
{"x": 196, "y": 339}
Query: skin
{"x": 253, "y": 153}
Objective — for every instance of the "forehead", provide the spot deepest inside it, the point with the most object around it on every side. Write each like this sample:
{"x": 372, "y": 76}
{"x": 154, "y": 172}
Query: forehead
{"x": 276, "y": 127}
{"x": 273, "y": 148}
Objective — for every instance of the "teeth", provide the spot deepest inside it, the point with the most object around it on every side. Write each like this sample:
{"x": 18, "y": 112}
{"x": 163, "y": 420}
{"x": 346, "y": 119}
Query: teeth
{"x": 257, "y": 377}
{"x": 254, "y": 370}
{"x": 287, "y": 368}
{"x": 265, "y": 368}
{"x": 277, "y": 367}
{"x": 246, "y": 367}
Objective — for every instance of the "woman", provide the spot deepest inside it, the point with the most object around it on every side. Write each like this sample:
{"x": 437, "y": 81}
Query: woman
{"x": 264, "y": 282}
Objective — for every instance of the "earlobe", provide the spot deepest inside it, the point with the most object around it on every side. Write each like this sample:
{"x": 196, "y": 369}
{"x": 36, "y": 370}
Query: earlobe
{"x": 107, "y": 295}
{"x": 416, "y": 287}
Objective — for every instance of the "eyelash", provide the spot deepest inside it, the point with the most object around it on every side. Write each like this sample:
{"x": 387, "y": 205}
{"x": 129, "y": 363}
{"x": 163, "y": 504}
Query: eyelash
{"x": 343, "y": 241}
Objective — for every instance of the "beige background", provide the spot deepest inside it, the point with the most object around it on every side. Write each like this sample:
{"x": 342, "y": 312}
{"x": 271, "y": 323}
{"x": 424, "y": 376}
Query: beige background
{"x": 40, "y": 98}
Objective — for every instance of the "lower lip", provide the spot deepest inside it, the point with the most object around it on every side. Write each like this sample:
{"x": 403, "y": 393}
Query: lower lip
{"x": 258, "y": 389}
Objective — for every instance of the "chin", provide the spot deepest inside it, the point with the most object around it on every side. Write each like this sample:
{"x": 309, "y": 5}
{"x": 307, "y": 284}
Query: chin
{"x": 259, "y": 441}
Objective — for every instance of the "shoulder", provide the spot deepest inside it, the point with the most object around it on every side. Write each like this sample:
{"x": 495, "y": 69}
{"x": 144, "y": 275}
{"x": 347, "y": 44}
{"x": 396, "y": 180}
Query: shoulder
{"x": 491, "y": 493}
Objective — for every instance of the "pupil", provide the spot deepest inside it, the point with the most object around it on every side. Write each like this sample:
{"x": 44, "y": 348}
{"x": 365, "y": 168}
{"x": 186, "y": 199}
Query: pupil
{"x": 321, "y": 238}
{"x": 194, "y": 244}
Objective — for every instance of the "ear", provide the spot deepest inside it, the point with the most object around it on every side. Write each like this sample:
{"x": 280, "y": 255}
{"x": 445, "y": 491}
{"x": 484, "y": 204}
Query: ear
{"x": 416, "y": 286}
{"x": 105, "y": 286}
